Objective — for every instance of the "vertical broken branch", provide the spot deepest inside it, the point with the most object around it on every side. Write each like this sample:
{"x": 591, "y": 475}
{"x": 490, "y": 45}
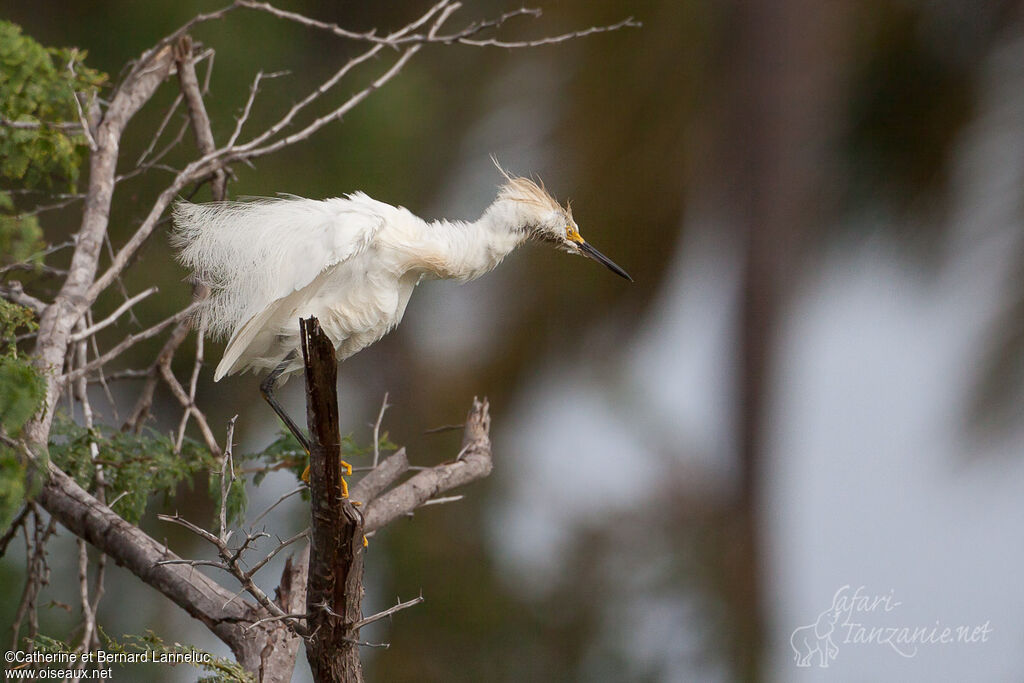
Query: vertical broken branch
{"x": 335, "y": 589}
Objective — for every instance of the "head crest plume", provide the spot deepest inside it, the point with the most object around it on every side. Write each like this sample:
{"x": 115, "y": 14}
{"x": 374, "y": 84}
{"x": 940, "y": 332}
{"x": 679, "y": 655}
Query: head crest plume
{"x": 526, "y": 190}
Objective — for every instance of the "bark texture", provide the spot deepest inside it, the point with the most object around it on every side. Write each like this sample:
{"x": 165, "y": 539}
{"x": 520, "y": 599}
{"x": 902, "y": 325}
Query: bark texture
{"x": 335, "y": 592}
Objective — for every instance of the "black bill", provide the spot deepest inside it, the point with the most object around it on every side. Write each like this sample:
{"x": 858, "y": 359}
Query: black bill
{"x": 590, "y": 252}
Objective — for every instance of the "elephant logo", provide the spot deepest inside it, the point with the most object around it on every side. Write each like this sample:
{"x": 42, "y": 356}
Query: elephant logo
{"x": 816, "y": 638}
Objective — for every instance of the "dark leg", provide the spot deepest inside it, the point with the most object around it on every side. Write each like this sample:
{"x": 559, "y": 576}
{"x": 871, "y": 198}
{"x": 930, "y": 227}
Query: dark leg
{"x": 267, "y": 391}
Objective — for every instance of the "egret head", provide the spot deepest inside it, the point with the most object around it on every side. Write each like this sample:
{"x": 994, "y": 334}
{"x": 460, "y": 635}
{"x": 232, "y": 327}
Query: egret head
{"x": 545, "y": 220}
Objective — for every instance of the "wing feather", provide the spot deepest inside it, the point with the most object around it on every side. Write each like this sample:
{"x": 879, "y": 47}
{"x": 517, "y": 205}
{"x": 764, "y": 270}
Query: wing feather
{"x": 252, "y": 253}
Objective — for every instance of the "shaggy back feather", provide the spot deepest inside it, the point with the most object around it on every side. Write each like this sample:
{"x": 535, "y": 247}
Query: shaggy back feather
{"x": 252, "y": 253}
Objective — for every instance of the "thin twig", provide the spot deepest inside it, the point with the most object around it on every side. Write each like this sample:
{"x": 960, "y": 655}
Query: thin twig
{"x": 388, "y": 612}
{"x": 12, "y": 530}
{"x": 160, "y": 129}
{"x": 36, "y": 125}
{"x": 281, "y": 546}
{"x": 127, "y": 343}
{"x": 247, "y": 109}
{"x": 550, "y": 40}
{"x": 443, "y": 428}
{"x": 14, "y": 291}
{"x": 227, "y": 479}
{"x": 298, "y": 489}
{"x": 376, "y": 429}
{"x": 442, "y": 501}
{"x": 266, "y": 620}
{"x": 112, "y": 318}
{"x": 230, "y": 564}
{"x": 90, "y": 140}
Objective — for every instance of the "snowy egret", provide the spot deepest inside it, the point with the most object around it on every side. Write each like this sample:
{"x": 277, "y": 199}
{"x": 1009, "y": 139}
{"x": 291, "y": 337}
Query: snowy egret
{"x": 351, "y": 261}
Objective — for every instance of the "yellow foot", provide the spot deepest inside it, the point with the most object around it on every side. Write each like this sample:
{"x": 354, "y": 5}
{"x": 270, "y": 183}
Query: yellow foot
{"x": 305, "y": 472}
{"x": 344, "y": 484}
{"x": 348, "y": 473}
{"x": 366, "y": 542}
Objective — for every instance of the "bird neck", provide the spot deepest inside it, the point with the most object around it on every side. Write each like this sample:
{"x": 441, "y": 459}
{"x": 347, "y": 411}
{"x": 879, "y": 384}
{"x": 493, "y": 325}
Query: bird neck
{"x": 464, "y": 251}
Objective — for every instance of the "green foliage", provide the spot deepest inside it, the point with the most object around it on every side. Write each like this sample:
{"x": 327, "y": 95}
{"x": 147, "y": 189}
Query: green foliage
{"x": 38, "y": 85}
{"x": 21, "y": 387}
{"x": 221, "y": 670}
{"x": 13, "y": 319}
{"x": 21, "y": 392}
{"x": 20, "y": 236}
{"x": 135, "y": 466}
{"x": 286, "y": 453}
{"x": 12, "y": 484}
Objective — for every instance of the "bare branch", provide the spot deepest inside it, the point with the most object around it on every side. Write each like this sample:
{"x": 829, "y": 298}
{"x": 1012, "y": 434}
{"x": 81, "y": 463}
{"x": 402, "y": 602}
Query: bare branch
{"x": 12, "y": 530}
{"x": 474, "y": 462}
{"x": 376, "y": 430}
{"x": 112, "y": 318}
{"x": 86, "y": 130}
{"x": 247, "y": 109}
{"x": 88, "y": 615}
{"x": 195, "y": 563}
{"x": 227, "y": 478}
{"x": 464, "y": 36}
{"x": 182, "y": 30}
{"x": 550, "y": 40}
{"x": 297, "y": 489}
{"x": 312, "y": 23}
{"x": 266, "y": 620}
{"x": 230, "y": 562}
{"x": 443, "y": 428}
{"x": 160, "y": 129}
{"x": 13, "y": 291}
{"x": 296, "y": 108}
{"x": 281, "y": 546}
{"x": 389, "y": 611}
{"x": 381, "y": 477}
{"x": 145, "y": 400}
{"x": 127, "y": 343}
{"x": 199, "y": 531}
{"x": 442, "y": 501}
{"x": 196, "y": 109}
{"x": 35, "y": 125}
{"x": 57, "y": 321}
{"x": 37, "y": 575}
{"x": 305, "y": 133}
{"x": 341, "y": 73}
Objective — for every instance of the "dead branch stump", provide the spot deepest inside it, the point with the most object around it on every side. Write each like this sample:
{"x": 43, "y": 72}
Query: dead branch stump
{"x": 334, "y": 597}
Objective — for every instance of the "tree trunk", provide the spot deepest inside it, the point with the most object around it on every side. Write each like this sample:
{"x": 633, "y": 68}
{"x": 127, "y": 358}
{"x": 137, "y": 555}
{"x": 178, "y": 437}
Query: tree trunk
{"x": 334, "y": 598}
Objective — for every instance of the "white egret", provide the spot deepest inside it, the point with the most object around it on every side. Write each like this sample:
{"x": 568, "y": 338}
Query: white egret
{"x": 351, "y": 261}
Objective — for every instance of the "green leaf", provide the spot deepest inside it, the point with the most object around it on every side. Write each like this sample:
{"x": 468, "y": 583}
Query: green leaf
{"x": 12, "y": 485}
{"x": 38, "y": 84}
{"x": 21, "y": 393}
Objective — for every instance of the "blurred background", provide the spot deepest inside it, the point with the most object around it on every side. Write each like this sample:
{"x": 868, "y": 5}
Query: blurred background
{"x": 815, "y": 381}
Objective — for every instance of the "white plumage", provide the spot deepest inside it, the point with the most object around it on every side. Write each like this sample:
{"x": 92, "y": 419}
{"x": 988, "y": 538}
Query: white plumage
{"x": 353, "y": 262}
